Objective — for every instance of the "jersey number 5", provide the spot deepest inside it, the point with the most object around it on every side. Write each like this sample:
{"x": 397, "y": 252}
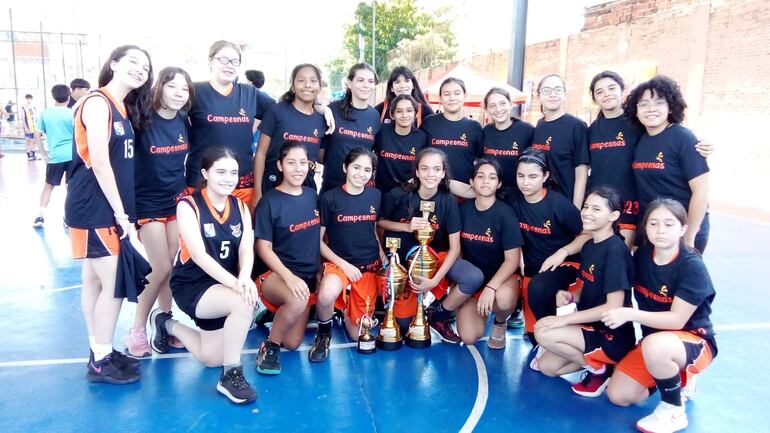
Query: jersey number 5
{"x": 224, "y": 250}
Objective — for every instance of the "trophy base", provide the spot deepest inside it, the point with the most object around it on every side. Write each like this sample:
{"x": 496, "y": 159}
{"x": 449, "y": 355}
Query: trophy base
{"x": 417, "y": 344}
{"x": 367, "y": 347}
{"x": 389, "y": 345}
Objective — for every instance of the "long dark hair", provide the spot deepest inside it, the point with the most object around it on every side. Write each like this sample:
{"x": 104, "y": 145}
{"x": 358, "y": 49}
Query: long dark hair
{"x": 347, "y": 102}
{"x": 360, "y": 151}
{"x": 213, "y": 154}
{"x": 614, "y": 203}
{"x": 409, "y": 75}
{"x": 399, "y": 98}
{"x": 137, "y": 101}
{"x": 498, "y": 170}
{"x": 287, "y": 147}
{"x": 289, "y": 95}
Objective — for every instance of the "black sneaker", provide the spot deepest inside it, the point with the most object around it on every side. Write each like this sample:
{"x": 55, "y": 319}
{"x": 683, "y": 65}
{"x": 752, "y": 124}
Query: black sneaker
{"x": 38, "y": 224}
{"x": 235, "y": 387}
{"x": 268, "y": 358}
{"x": 124, "y": 362}
{"x": 444, "y": 329}
{"x": 158, "y": 334}
{"x": 109, "y": 371}
{"x": 320, "y": 350}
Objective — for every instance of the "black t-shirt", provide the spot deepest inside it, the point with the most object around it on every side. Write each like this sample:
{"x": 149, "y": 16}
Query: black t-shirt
{"x": 611, "y": 143}
{"x": 487, "y": 235}
{"x": 506, "y": 145}
{"x": 665, "y": 163}
{"x": 347, "y": 135}
{"x": 293, "y": 224}
{"x": 283, "y": 122}
{"x": 565, "y": 142}
{"x": 686, "y": 278}
{"x": 546, "y": 226}
{"x": 423, "y": 111}
{"x": 396, "y": 155}
{"x": 350, "y": 222}
{"x": 605, "y": 267}
{"x": 159, "y": 179}
{"x": 219, "y": 120}
{"x": 459, "y": 139}
{"x": 398, "y": 206}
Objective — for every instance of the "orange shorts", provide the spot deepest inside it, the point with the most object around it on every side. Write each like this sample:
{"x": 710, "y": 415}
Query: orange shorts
{"x": 354, "y": 304}
{"x": 94, "y": 243}
{"x": 699, "y": 357}
{"x": 164, "y": 220}
{"x": 272, "y": 308}
{"x": 529, "y": 316}
{"x": 406, "y": 304}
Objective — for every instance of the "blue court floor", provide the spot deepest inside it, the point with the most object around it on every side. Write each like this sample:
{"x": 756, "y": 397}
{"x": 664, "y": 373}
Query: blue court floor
{"x": 442, "y": 389}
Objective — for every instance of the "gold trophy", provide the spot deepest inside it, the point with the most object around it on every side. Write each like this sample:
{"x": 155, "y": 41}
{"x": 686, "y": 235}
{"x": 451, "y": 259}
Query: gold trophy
{"x": 391, "y": 280}
{"x": 366, "y": 342}
{"x": 422, "y": 262}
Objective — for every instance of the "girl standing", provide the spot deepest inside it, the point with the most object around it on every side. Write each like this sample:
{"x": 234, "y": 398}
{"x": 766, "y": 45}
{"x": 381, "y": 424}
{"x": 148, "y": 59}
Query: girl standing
{"x": 402, "y": 81}
{"x": 506, "y": 137}
{"x": 397, "y": 144}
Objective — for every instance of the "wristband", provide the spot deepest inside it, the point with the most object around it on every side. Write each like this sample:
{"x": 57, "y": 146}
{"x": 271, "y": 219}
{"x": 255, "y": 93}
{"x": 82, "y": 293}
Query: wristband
{"x": 490, "y": 287}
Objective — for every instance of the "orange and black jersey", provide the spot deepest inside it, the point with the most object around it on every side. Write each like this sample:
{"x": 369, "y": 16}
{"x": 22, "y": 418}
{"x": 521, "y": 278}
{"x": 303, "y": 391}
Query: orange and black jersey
{"x": 665, "y": 163}
{"x": 605, "y": 267}
{"x": 488, "y": 234}
{"x": 686, "y": 278}
{"x": 400, "y": 205}
{"x": 565, "y": 143}
{"x": 293, "y": 224}
{"x": 506, "y": 145}
{"x": 459, "y": 139}
{"x": 423, "y": 111}
{"x": 225, "y": 120}
{"x": 350, "y": 222}
{"x": 86, "y": 205}
{"x": 161, "y": 151}
{"x": 347, "y": 135}
{"x": 396, "y": 155}
{"x": 546, "y": 226}
{"x": 221, "y": 233}
{"x": 611, "y": 145}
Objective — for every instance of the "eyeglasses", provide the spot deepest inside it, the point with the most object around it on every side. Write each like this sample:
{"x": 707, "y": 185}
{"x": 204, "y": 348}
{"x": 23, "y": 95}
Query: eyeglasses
{"x": 555, "y": 90}
{"x": 225, "y": 61}
{"x": 651, "y": 103}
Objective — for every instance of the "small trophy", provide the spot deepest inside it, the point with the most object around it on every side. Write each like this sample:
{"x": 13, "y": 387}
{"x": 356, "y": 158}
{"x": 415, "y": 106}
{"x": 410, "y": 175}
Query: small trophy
{"x": 422, "y": 262}
{"x": 391, "y": 279}
{"x": 366, "y": 342}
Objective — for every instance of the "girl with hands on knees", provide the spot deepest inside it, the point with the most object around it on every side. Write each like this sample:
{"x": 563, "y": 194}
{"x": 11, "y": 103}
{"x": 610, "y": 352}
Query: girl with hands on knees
{"x": 674, "y": 293}
{"x": 491, "y": 243}
{"x": 288, "y": 231}
{"x": 211, "y": 278}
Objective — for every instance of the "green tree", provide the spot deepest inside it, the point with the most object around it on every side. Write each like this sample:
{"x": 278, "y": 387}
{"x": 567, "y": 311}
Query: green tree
{"x": 395, "y": 21}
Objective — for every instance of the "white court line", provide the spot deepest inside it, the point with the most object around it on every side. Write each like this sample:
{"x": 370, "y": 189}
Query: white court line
{"x": 482, "y": 392}
{"x": 742, "y": 218}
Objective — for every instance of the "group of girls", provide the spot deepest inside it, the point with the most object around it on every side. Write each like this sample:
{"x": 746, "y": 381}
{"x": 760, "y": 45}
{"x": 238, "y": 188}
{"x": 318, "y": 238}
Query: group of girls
{"x": 197, "y": 180}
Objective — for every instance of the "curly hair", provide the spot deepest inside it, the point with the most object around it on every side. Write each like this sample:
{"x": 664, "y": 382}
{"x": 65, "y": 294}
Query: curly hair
{"x": 662, "y": 87}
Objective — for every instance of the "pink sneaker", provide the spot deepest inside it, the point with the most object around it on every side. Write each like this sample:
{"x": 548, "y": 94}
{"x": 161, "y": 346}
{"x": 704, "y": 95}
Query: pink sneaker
{"x": 592, "y": 384}
{"x": 136, "y": 343}
{"x": 175, "y": 342}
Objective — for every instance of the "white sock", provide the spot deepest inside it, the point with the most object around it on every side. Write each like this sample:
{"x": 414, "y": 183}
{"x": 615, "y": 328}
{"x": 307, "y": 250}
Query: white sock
{"x": 596, "y": 370}
{"x": 170, "y": 326}
{"x": 101, "y": 350}
{"x": 41, "y": 212}
{"x": 91, "y": 341}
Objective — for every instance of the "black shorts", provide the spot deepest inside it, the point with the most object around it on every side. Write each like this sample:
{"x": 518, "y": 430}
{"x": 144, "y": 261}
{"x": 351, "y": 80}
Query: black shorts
{"x": 54, "y": 172}
{"x": 614, "y": 343}
{"x": 188, "y": 294}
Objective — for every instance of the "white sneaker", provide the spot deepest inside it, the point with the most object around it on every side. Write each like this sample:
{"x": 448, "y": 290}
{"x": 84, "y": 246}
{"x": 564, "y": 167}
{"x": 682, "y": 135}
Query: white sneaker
{"x": 688, "y": 391}
{"x": 535, "y": 363}
{"x": 666, "y": 418}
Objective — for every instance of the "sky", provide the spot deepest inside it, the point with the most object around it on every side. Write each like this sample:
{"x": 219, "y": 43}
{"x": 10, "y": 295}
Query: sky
{"x": 280, "y": 34}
